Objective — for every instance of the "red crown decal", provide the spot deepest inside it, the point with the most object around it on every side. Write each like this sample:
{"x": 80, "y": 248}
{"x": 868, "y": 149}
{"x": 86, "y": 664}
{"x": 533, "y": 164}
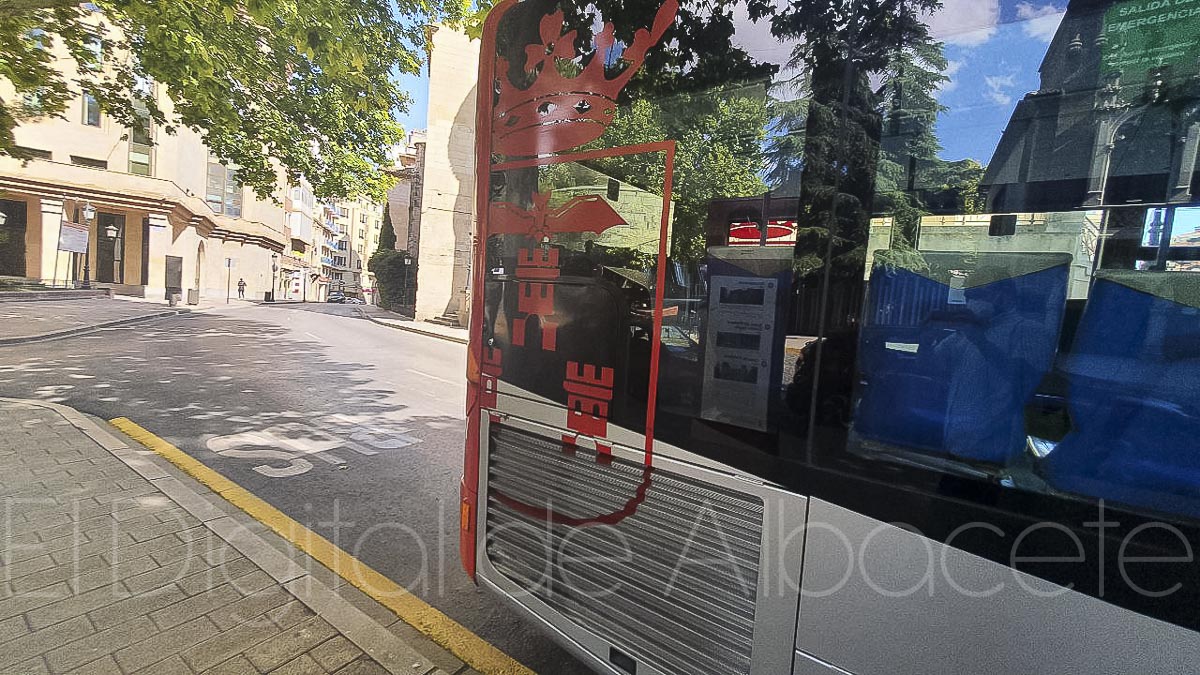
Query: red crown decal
{"x": 559, "y": 112}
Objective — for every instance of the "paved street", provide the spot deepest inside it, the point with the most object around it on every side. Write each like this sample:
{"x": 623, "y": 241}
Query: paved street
{"x": 352, "y": 428}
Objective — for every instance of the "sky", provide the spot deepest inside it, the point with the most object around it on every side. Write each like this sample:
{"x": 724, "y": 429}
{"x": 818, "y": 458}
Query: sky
{"x": 994, "y": 48}
{"x": 417, "y": 87}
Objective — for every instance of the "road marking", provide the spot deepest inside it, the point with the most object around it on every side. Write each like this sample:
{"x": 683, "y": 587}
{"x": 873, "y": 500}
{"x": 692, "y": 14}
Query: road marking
{"x": 453, "y": 636}
{"x": 313, "y": 336}
{"x": 432, "y": 377}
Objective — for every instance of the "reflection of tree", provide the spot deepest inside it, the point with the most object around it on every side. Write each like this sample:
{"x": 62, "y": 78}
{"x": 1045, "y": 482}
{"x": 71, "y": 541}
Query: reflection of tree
{"x": 718, "y": 135}
{"x": 681, "y": 93}
{"x": 840, "y": 44}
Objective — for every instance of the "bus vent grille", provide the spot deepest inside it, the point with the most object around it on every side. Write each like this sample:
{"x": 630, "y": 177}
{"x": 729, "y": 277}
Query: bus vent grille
{"x": 672, "y": 583}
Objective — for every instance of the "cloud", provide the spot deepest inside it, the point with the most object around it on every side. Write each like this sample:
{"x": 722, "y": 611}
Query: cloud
{"x": 952, "y": 68}
{"x": 965, "y": 23}
{"x": 997, "y": 86}
{"x": 1040, "y": 23}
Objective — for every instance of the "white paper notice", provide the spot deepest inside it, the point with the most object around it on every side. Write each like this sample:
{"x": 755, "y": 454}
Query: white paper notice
{"x": 737, "y": 354}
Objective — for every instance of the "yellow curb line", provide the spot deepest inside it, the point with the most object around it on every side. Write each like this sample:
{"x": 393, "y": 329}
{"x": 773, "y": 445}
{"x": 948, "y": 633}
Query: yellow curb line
{"x": 453, "y": 636}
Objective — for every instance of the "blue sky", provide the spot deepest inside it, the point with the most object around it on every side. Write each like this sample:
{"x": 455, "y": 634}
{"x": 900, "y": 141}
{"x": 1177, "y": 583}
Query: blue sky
{"x": 994, "y": 48}
{"x": 991, "y": 69}
{"x": 417, "y": 87}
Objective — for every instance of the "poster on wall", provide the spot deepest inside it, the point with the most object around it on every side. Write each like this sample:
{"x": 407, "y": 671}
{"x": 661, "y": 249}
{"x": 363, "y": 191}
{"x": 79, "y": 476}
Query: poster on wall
{"x": 738, "y": 350}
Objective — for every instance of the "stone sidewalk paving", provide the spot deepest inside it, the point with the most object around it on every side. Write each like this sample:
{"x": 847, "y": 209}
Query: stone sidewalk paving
{"x": 32, "y": 320}
{"x": 113, "y": 562}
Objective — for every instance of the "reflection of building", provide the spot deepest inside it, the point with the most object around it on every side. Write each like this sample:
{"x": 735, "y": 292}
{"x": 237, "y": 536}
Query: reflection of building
{"x": 1111, "y": 123}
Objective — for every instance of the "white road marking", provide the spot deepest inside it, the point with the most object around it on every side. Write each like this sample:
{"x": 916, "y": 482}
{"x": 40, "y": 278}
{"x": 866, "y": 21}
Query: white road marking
{"x": 313, "y": 336}
{"x": 432, "y": 377}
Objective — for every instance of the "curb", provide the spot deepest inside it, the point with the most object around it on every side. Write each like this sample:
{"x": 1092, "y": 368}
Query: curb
{"x": 72, "y": 332}
{"x": 426, "y": 619}
{"x": 414, "y": 329}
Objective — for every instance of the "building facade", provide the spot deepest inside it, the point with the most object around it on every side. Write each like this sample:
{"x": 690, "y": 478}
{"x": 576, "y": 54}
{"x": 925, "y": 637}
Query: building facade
{"x": 445, "y": 228}
{"x": 161, "y": 214}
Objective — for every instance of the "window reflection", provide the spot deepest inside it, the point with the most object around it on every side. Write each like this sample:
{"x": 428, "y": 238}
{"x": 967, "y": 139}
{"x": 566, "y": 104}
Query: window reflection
{"x": 880, "y": 253}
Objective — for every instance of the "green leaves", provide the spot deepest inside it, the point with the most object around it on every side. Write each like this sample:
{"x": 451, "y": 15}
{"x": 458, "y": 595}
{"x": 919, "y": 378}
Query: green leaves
{"x": 272, "y": 89}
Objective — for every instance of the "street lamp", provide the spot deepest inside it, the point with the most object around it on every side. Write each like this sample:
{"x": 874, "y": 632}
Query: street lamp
{"x": 89, "y": 214}
{"x": 274, "y": 274}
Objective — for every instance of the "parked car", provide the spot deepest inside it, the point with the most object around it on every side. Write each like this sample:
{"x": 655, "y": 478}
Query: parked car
{"x": 355, "y": 301}
{"x": 336, "y": 296}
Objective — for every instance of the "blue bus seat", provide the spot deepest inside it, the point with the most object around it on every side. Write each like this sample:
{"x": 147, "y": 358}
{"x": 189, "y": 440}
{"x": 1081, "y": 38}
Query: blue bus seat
{"x": 1134, "y": 394}
{"x": 953, "y": 348}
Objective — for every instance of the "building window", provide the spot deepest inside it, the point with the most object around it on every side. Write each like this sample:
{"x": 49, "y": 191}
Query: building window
{"x": 141, "y": 143}
{"x": 32, "y": 101}
{"x": 343, "y": 212}
{"x": 95, "y": 45}
{"x": 362, "y": 218}
{"x": 91, "y": 110}
{"x": 36, "y": 153}
{"x": 88, "y": 161}
{"x": 224, "y": 193}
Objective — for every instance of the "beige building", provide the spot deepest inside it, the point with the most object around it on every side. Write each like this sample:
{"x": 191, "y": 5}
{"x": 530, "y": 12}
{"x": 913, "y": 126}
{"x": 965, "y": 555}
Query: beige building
{"x": 161, "y": 214}
{"x": 446, "y": 223}
{"x": 354, "y": 227}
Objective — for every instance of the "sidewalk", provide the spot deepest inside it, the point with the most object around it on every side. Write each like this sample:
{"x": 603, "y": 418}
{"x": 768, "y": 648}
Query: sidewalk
{"x": 112, "y": 561}
{"x": 392, "y": 320}
{"x": 31, "y": 321}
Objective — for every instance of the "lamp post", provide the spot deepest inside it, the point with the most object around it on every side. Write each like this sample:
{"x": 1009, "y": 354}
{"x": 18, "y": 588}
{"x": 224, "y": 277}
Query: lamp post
{"x": 274, "y": 274}
{"x": 89, "y": 214}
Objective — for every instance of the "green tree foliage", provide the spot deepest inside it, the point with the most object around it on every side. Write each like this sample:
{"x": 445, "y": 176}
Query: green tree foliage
{"x": 718, "y": 154}
{"x": 394, "y": 277}
{"x": 308, "y": 89}
{"x": 387, "y": 233}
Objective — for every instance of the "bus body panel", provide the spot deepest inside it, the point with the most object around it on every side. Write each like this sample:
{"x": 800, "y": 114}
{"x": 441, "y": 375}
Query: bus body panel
{"x": 913, "y": 606}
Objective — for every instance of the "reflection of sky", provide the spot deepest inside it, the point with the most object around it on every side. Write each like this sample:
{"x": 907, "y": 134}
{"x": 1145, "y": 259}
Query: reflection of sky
{"x": 1185, "y": 229}
{"x": 990, "y": 71}
{"x": 994, "y": 48}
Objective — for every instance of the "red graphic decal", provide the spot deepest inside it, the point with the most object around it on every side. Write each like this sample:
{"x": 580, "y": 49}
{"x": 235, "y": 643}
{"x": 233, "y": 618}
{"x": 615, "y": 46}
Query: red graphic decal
{"x": 559, "y": 112}
{"x": 589, "y": 389}
{"x": 534, "y": 298}
{"x": 584, "y": 213}
{"x": 489, "y": 376}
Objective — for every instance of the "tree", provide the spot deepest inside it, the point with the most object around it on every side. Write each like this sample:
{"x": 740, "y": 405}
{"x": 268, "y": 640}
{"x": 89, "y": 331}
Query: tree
{"x": 392, "y": 269}
{"x": 271, "y": 85}
{"x": 387, "y": 234}
{"x": 718, "y": 154}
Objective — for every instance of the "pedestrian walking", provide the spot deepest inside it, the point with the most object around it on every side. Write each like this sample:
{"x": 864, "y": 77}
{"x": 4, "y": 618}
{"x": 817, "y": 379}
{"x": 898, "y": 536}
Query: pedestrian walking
{"x": 241, "y": 288}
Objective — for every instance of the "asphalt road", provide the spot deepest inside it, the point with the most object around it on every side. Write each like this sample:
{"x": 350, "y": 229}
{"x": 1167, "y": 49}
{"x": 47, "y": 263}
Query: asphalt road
{"x": 372, "y": 419}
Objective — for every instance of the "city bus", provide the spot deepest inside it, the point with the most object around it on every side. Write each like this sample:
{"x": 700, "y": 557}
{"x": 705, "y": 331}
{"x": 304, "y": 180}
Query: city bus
{"x": 839, "y": 337}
